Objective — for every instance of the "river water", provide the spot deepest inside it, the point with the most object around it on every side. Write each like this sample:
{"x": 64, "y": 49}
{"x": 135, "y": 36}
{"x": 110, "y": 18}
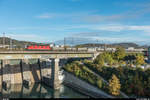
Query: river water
{"x": 38, "y": 90}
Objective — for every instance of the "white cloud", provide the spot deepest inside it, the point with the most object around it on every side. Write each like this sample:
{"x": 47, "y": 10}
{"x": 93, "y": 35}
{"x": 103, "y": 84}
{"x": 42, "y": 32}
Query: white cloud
{"x": 144, "y": 28}
{"x": 115, "y": 28}
{"x": 119, "y": 39}
{"x": 46, "y": 16}
{"x": 75, "y": 0}
{"x": 118, "y": 28}
{"x": 106, "y": 27}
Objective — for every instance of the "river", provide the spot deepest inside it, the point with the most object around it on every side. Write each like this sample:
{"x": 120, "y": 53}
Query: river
{"x": 39, "y": 90}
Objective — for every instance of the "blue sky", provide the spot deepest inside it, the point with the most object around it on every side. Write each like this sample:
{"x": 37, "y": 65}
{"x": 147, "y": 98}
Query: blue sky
{"x": 52, "y": 20}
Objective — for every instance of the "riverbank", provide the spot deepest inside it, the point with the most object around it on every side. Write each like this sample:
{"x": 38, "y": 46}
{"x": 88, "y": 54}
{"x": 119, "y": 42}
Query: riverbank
{"x": 84, "y": 87}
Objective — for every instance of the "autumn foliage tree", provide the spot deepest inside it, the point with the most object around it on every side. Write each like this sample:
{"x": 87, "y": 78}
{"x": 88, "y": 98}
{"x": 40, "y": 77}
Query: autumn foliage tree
{"x": 140, "y": 60}
{"x": 114, "y": 86}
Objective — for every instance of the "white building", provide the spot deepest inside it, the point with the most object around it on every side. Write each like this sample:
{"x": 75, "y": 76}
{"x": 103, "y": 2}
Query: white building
{"x": 133, "y": 49}
{"x": 52, "y": 45}
{"x": 110, "y": 49}
{"x": 130, "y": 48}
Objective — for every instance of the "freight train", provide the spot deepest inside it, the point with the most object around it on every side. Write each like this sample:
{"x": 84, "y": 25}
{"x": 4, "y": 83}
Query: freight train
{"x": 47, "y": 48}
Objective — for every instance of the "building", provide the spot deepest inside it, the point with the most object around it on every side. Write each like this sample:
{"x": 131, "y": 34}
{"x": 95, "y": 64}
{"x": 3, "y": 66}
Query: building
{"x": 52, "y": 45}
{"x": 148, "y": 54}
{"x": 4, "y": 46}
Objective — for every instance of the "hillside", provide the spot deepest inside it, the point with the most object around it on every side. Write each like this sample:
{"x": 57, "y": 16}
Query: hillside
{"x": 17, "y": 42}
{"x": 125, "y": 45}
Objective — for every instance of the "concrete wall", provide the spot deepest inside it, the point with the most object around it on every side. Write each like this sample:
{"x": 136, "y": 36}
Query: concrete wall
{"x": 31, "y": 71}
{"x": 35, "y": 72}
{"x": 6, "y": 71}
{"x": 16, "y": 77}
{"x": 9, "y": 72}
{"x": 27, "y": 75}
{"x": 19, "y": 72}
{"x": 23, "y": 70}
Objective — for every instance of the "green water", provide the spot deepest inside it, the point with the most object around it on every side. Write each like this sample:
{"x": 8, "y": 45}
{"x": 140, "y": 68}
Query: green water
{"x": 39, "y": 91}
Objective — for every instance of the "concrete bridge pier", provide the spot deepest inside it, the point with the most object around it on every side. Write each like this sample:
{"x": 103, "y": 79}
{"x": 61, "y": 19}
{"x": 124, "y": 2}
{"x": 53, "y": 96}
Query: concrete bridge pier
{"x": 26, "y": 73}
{"x": 1, "y": 74}
{"x": 55, "y": 73}
{"x": 56, "y": 94}
{"x": 39, "y": 64}
{"x": 44, "y": 69}
{"x": 6, "y": 73}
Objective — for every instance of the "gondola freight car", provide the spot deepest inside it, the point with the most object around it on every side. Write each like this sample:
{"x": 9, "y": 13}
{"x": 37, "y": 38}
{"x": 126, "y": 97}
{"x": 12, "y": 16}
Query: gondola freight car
{"x": 38, "y": 47}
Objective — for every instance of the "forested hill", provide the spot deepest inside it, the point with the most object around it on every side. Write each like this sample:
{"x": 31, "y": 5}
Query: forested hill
{"x": 125, "y": 45}
{"x": 17, "y": 42}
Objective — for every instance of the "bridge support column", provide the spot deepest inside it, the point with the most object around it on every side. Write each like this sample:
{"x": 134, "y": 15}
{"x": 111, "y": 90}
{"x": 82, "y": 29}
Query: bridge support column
{"x": 40, "y": 70}
{"x": 6, "y": 77}
{"x": 0, "y": 73}
{"x": 55, "y": 73}
{"x": 45, "y": 69}
{"x": 26, "y": 73}
{"x": 56, "y": 94}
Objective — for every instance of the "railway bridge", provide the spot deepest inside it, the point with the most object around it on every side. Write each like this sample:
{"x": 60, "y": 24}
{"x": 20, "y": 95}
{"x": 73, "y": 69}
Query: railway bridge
{"x": 16, "y": 66}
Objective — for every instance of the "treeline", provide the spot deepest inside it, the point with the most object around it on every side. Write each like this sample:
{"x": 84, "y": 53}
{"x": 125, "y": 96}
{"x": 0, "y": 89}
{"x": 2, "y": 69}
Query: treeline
{"x": 119, "y": 58}
{"x": 19, "y": 44}
{"x": 122, "y": 71}
{"x": 80, "y": 70}
{"x": 135, "y": 81}
{"x": 124, "y": 45}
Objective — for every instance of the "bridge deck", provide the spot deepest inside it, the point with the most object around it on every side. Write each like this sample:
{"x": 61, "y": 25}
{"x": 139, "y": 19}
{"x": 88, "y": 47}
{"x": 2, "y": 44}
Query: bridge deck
{"x": 45, "y": 52}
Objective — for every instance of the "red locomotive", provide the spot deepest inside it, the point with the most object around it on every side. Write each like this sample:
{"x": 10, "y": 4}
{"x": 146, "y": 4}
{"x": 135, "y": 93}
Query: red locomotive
{"x": 40, "y": 47}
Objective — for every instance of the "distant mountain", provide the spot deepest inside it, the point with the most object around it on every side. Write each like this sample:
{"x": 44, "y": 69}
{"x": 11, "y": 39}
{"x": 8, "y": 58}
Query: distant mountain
{"x": 17, "y": 42}
{"x": 87, "y": 42}
{"x": 82, "y": 42}
{"x": 76, "y": 41}
{"x": 124, "y": 45}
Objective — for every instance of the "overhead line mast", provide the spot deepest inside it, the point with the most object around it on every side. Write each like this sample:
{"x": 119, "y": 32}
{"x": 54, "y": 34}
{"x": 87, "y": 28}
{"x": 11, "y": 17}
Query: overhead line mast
{"x": 3, "y": 40}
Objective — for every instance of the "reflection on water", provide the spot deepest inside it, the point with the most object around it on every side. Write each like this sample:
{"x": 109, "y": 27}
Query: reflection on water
{"x": 38, "y": 90}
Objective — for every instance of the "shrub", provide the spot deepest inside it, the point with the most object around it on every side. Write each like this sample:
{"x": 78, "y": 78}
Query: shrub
{"x": 99, "y": 83}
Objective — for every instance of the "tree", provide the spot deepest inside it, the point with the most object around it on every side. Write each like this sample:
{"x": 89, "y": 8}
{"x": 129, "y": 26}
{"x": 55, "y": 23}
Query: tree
{"x": 119, "y": 53}
{"x": 139, "y": 60}
{"x": 130, "y": 58}
{"x": 99, "y": 60}
{"x": 138, "y": 86}
{"x": 105, "y": 57}
{"x": 114, "y": 85}
{"x": 148, "y": 83}
{"x": 99, "y": 83}
{"x": 108, "y": 59}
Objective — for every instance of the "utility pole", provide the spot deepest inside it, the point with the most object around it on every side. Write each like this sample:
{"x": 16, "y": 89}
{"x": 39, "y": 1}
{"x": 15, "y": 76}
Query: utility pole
{"x": 64, "y": 43}
{"x": 10, "y": 43}
{"x": 3, "y": 40}
{"x": 104, "y": 46}
{"x": 72, "y": 41}
{"x": 97, "y": 45}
